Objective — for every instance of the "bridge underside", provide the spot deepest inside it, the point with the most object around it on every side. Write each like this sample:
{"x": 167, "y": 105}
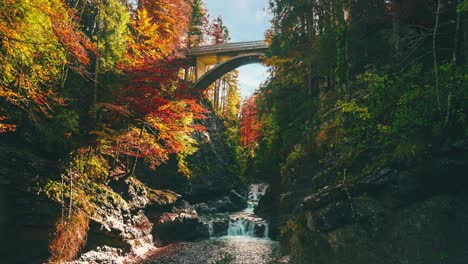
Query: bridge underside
{"x": 217, "y": 72}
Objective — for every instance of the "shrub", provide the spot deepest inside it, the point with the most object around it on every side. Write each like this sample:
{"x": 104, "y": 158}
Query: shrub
{"x": 69, "y": 237}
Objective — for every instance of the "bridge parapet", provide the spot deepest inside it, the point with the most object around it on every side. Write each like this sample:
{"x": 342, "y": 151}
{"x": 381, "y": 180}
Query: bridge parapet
{"x": 228, "y": 48}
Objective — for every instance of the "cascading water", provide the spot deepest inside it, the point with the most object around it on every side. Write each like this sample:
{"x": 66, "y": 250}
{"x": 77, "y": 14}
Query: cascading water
{"x": 245, "y": 241}
{"x": 245, "y": 223}
{"x": 210, "y": 229}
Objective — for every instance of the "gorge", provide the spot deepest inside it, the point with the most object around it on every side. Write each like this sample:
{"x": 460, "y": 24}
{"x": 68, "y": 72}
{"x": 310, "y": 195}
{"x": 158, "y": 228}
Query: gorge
{"x": 124, "y": 137}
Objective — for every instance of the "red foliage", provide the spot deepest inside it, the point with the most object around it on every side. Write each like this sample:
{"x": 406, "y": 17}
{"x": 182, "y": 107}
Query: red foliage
{"x": 250, "y": 125}
{"x": 155, "y": 99}
{"x": 67, "y": 33}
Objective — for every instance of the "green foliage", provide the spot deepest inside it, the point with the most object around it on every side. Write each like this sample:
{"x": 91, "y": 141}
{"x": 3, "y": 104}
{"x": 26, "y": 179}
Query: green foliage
{"x": 86, "y": 169}
{"x": 405, "y": 152}
{"x": 355, "y": 128}
{"x": 416, "y": 114}
{"x": 295, "y": 165}
{"x": 112, "y": 33}
{"x": 376, "y": 90}
{"x": 55, "y": 133}
{"x": 198, "y": 22}
{"x": 463, "y": 6}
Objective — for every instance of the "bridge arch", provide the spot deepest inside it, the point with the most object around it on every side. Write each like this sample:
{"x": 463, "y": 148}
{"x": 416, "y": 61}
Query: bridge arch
{"x": 224, "y": 57}
{"x": 229, "y": 65}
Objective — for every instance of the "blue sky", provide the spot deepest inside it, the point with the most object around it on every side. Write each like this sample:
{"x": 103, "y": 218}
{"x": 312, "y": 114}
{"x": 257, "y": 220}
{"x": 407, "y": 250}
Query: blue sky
{"x": 247, "y": 20}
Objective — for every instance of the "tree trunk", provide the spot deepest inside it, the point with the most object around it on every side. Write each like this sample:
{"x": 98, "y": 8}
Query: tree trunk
{"x": 135, "y": 161}
{"x": 454, "y": 66}
{"x": 71, "y": 196}
{"x": 434, "y": 50}
{"x": 216, "y": 95}
{"x": 95, "y": 88}
{"x": 341, "y": 60}
{"x": 310, "y": 37}
{"x": 396, "y": 29}
{"x": 465, "y": 40}
{"x": 96, "y": 72}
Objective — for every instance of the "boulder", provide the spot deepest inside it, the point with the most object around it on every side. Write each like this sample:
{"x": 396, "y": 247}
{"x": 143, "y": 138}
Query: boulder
{"x": 363, "y": 210}
{"x": 173, "y": 227}
{"x": 220, "y": 227}
{"x": 239, "y": 201}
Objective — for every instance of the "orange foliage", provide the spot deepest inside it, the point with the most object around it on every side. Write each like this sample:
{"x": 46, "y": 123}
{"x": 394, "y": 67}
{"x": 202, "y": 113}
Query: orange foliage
{"x": 250, "y": 125}
{"x": 159, "y": 30}
{"x": 167, "y": 131}
{"x": 37, "y": 37}
{"x": 155, "y": 96}
{"x": 69, "y": 237}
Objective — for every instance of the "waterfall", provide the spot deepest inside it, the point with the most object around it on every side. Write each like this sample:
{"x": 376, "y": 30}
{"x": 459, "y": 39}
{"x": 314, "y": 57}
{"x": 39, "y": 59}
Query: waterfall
{"x": 210, "y": 228}
{"x": 257, "y": 191}
{"x": 245, "y": 223}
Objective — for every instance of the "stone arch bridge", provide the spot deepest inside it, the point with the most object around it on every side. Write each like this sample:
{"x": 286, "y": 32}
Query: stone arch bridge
{"x": 212, "y": 62}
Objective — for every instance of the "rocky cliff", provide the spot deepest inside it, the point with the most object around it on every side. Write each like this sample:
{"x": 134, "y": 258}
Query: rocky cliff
{"x": 127, "y": 217}
{"x": 404, "y": 213}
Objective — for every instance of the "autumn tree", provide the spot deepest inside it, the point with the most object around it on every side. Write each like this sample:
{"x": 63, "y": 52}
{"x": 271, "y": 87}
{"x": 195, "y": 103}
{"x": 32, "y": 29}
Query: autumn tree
{"x": 198, "y": 24}
{"x": 39, "y": 39}
{"x": 160, "y": 119}
{"x": 218, "y": 34}
{"x": 250, "y": 125}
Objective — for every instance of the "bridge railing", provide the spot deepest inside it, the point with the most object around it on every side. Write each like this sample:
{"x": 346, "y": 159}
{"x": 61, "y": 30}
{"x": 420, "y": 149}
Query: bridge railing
{"x": 227, "y": 47}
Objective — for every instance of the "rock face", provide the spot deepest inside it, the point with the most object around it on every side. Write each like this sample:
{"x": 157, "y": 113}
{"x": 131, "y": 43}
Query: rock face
{"x": 120, "y": 219}
{"x": 229, "y": 203}
{"x": 26, "y": 219}
{"x": 397, "y": 214}
{"x": 429, "y": 231}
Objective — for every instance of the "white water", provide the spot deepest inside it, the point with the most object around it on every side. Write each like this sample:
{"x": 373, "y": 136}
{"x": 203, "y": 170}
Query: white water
{"x": 245, "y": 223}
{"x": 242, "y": 245}
{"x": 210, "y": 228}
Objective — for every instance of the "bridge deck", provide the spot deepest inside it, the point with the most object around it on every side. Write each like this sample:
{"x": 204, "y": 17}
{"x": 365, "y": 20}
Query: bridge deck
{"x": 227, "y": 48}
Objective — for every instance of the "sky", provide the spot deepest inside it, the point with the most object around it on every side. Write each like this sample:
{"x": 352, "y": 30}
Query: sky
{"x": 247, "y": 20}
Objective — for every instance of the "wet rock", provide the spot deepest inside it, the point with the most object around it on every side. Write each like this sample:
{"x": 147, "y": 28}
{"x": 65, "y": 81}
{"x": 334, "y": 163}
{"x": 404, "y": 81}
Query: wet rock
{"x": 223, "y": 205}
{"x": 239, "y": 201}
{"x": 173, "y": 227}
{"x": 266, "y": 205}
{"x": 259, "y": 230}
{"x": 231, "y": 203}
{"x": 220, "y": 227}
{"x": 182, "y": 206}
{"x": 203, "y": 208}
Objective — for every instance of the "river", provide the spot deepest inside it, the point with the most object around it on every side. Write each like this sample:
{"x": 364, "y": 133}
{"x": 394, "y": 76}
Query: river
{"x": 247, "y": 241}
